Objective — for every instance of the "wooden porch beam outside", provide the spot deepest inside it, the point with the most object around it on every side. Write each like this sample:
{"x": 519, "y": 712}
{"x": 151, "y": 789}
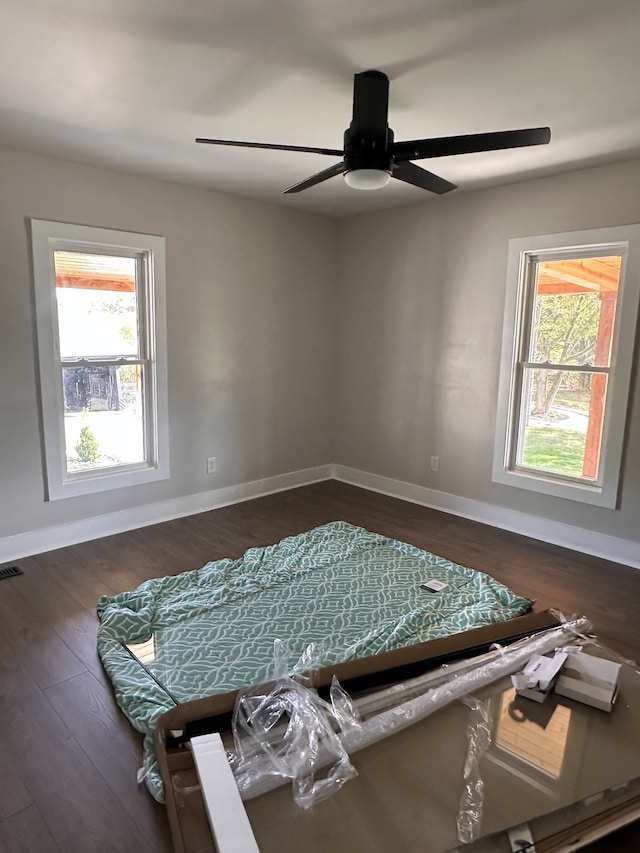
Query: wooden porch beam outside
{"x": 599, "y": 387}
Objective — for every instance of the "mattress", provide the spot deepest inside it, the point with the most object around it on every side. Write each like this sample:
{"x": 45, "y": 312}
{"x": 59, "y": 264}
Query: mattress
{"x": 335, "y": 593}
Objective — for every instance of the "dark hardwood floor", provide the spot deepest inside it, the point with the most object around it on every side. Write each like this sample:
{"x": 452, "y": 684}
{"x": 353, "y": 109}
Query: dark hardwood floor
{"x": 68, "y": 757}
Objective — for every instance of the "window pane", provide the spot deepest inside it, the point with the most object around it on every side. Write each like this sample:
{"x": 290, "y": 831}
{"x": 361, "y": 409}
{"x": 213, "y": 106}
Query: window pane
{"x": 574, "y": 311}
{"x": 103, "y": 417}
{"x": 561, "y": 422}
{"x": 566, "y": 328}
{"x": 97, "y": 305}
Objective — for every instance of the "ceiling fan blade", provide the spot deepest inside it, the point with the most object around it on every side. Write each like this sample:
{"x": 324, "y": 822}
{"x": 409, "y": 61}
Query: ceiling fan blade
{"x": 334, "y": 152}
{"x": 370, "y": 105}
{"x": 318, "y": 178}
{"x": 445, "y": 146}
{"x": 419, "y": 177}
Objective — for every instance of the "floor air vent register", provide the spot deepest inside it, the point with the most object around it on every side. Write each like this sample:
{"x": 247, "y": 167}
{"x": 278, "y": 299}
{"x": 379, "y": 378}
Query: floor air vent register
{"x": 10, "y": 572}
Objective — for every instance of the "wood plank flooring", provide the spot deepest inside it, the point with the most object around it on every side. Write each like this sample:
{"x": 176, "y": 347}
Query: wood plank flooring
{"x": 68, "y": 757}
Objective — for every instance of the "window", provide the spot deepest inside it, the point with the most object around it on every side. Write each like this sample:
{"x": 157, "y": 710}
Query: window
{"x": 567, "y": 356}
{"x": 100, "y": 315}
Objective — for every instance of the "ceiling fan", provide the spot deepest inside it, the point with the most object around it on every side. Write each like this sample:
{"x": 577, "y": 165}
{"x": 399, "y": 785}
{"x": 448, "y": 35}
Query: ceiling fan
{"x": 370, "y": 157}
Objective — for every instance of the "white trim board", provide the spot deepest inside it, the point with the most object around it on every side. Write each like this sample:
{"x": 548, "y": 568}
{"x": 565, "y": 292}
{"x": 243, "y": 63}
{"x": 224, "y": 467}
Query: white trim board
{"x": 565, "y": 535}
{"x": 228, "y": 819}
{"x": 555, "y": 532}
{"x": 49, "y": 538}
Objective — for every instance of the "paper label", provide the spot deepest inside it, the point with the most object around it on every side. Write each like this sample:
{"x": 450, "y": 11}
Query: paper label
{"x": 434, "y": 586}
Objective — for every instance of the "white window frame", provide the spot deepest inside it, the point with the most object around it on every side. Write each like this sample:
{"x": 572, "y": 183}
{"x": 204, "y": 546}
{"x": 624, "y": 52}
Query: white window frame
{"x": 519, "y": 294}
{"x": 149, "y": 253}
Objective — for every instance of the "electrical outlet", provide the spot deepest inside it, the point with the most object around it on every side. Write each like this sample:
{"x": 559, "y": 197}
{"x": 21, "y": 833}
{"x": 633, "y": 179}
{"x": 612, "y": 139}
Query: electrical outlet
{"x": 434, "y": 463}
{"x": 211, "y": 464}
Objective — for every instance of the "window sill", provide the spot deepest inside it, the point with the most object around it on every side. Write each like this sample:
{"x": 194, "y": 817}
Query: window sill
{"x": 572, "y": 491}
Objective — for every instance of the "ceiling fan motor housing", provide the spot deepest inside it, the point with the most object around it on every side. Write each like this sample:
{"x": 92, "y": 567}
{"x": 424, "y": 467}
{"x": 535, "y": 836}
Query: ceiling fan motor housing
{"x": 361, "y": 152}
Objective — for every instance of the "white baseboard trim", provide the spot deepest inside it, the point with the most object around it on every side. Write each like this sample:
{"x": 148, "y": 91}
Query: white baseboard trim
{"x": 555, "y": 532}
{"x": 49, "y": 538}
{"x": 575, "y": 538}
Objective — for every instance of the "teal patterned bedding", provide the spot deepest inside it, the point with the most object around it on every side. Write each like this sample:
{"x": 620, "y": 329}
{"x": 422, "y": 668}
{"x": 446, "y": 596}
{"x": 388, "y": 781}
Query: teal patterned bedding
{"x": 233, "y": 623}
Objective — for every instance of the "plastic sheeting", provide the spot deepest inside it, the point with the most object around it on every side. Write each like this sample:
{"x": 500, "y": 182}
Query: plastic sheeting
{"x": 255, "y": 772}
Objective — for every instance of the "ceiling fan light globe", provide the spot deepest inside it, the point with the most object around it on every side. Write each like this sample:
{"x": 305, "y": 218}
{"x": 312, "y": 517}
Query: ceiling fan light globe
{"x": 367, "y": 179}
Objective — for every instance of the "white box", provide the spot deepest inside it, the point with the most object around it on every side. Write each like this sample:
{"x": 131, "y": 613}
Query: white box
{"x": 536, "y": 680}
{"x": 534, "y": 693}
{"x": 591, "y": 680}
{"x": 229, "y": 822}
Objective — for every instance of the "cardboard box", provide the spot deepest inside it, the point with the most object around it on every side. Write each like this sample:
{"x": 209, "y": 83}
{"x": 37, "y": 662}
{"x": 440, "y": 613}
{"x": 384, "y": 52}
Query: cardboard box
{"x": 407, "y": 795}
{"x": 591, "y": 680}
{"x": 185, "y": 807}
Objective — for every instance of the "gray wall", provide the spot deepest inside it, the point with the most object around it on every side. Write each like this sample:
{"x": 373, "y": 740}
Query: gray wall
{"x": 420, "y": 310}
{"x": 295, "y": 341}
{"x": 250, "y": 298}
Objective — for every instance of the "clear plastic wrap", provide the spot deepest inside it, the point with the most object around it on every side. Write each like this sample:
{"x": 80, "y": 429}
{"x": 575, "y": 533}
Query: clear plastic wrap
{"x": 287, "y": 663}
{"x": 260, "y": 772}
{"x": 183, "y": 791}
{"x": 481, "y": 725}
{"x": 285, "y": 730}
{"x": 472, "y": 799}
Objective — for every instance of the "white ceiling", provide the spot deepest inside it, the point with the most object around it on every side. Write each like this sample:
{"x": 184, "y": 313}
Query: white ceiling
{"x": 130, "y": 83}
